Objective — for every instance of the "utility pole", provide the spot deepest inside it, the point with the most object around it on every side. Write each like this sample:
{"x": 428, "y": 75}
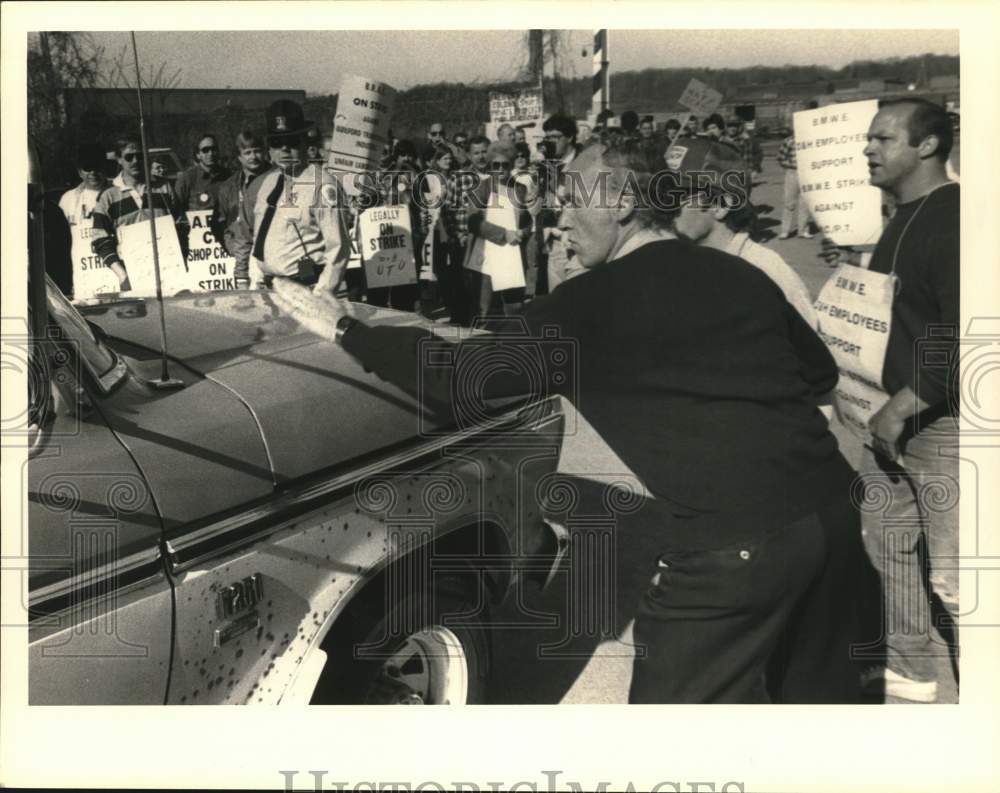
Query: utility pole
{"x": 601, "y": 79}
{"x": 536, "y": 55}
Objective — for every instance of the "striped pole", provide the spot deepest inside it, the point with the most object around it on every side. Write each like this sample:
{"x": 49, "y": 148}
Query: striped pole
{"x": 601, "y": 79}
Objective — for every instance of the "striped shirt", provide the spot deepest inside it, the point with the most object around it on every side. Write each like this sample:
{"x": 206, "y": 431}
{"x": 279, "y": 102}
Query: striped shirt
{"x": 119, "y": 205}
{"x": 786, "y": 153}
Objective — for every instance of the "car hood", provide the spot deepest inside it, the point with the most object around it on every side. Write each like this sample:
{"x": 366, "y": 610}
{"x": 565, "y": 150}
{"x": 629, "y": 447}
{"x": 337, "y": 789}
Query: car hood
{"x": 316, "y": 407}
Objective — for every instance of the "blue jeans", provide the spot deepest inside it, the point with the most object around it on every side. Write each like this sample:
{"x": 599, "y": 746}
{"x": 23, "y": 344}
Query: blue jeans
{"x": 909, "y": 520}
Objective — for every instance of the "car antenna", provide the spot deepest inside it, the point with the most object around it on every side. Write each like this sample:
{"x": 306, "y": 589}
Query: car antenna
{"x": 165, "y": 381}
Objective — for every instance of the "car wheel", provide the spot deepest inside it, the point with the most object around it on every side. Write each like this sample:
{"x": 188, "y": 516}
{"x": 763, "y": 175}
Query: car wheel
{"x": 435, "y": 658}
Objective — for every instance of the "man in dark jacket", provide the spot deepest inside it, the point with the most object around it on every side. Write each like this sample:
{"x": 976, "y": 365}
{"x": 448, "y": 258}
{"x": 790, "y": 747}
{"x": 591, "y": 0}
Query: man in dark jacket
{"x": 232, "y": 222}
{"x": 700, "y": 376}
{"x": 198, "y": 186}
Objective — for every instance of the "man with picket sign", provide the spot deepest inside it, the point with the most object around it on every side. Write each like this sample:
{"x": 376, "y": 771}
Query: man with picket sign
{"x": 121, "y": 235}
{"x": 893, "y": 328}
{"x": 89, "y": 276}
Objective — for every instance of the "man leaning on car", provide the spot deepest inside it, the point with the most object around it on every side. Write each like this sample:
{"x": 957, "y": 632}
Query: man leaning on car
{"x": 701, "y": 376}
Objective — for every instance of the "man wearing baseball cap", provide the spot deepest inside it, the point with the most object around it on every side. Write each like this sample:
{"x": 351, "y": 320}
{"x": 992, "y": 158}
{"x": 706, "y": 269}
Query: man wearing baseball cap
{"x": 301, "y": 224}
{"x": 717, "y": 212}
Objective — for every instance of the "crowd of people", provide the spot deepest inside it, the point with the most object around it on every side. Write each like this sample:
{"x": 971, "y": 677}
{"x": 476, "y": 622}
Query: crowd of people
{"x": 446, "y": 182}
{"x": 701, "y": 356}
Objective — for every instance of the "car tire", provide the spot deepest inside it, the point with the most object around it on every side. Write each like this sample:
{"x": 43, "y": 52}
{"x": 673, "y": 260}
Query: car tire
{"x": 419, "y": 651}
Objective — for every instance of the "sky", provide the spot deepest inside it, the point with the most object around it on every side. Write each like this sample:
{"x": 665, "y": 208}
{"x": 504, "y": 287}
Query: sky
{"x": 314, "y": 60}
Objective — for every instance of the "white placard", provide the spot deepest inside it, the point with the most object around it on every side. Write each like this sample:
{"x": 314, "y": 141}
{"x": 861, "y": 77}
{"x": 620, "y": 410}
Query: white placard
{"x": 502, "y": 263}
{"x": 136, "y": 249}
{"x": 90, "y": 276}
{"x": 209, "y": 267}
{"x": 360, "y": 128}
{"x": 427, "y": 271}
{"x": 700, "y": 98}
{"x": 387, "y": 247}
{"x": 833, "y": 171}
{"x": 854, "y": 311}
{"x": 510, "y": 106}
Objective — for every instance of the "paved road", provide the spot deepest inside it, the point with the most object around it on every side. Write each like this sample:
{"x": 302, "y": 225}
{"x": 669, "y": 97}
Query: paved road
{"x": 553, "y": 653}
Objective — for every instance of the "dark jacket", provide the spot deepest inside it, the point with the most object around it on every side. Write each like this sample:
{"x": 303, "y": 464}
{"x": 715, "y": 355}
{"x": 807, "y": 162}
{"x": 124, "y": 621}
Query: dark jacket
{"x": 692, "y": 366}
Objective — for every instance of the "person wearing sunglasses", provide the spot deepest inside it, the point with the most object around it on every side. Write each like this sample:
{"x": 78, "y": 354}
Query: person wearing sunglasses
{"x": 198, "y": 186}
{"x": 498, "y": 226}
{"x": 126, "y": 201}
{"x": 301, "y": 217}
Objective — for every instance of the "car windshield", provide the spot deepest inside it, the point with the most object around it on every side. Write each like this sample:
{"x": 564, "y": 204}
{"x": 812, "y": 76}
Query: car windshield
{"x": 95, "y": 356}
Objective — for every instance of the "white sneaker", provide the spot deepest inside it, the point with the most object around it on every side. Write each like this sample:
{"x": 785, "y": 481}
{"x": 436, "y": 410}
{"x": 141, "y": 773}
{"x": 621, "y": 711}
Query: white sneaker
{"x": 898, "y": 686}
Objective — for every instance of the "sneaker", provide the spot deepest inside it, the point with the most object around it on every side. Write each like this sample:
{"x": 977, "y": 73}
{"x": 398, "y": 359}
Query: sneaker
{"x": 806, "y": 235}
{"x": 784, "y": 236}
{"x": 896, "y": 685}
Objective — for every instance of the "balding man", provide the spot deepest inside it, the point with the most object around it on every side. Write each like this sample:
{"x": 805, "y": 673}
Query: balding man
{"x": 903, "y": 402}
{"x": 700, "y": 376}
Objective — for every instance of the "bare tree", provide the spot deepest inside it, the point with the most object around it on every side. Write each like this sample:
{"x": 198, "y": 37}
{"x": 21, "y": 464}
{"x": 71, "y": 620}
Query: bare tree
{"x": 120, "y": 75}
{"x": 57, "y": 61}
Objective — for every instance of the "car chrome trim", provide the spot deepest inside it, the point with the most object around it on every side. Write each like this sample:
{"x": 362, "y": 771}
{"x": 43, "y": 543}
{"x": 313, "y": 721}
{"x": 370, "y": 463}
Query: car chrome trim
{"x": 79, "y": 588}
{"x": 250, "y": 525}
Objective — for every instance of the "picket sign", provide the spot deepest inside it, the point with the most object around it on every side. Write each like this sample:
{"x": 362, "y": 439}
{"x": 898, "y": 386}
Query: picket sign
{"x": 700, "y": 98}
{"x": 360, "y": 128}
{"x": 90, "y": 276}
{"x": 854, "y": 310}
{"x": 136, "y": 249}
{"x": 833, "y": 171}
{"x": 502, "y": 263}
{"x": 209, "y": 267}
{"x": 387, "y": 247}
{"x": 427, "y": 271}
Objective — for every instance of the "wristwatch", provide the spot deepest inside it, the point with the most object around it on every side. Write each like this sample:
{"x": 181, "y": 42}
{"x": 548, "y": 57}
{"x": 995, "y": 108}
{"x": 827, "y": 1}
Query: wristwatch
{"x": 344, "y": 324}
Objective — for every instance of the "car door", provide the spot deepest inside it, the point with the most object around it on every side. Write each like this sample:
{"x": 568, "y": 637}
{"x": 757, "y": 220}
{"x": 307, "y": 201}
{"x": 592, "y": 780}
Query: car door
{"x": 99, "y": 602}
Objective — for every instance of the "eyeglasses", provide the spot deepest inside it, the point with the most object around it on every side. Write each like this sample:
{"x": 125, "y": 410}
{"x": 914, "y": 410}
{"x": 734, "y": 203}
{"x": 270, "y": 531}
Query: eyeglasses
{"x": 435, "y": 133}
{"x": 132, "y": 156}
{"x": 553, "y": 135}
{"x": 207, "y": 149}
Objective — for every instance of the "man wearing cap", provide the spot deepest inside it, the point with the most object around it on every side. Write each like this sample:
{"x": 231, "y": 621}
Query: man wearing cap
{"x": 197, "y": 187}
{"x": 714, "y": 127}
{"x": 720, "y": 215}
{"x": 77, "y": 206}
{"x": 301, "y": 218}
{"x": 314, "y": 146}
{"x": 699, "y": 375}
